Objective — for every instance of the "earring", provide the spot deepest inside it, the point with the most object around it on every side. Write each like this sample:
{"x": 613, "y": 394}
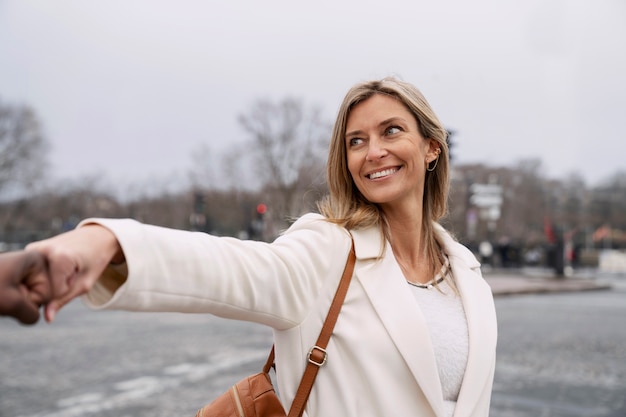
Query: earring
{"x": 431, "y": 169}
{"x": 436, "y": 160}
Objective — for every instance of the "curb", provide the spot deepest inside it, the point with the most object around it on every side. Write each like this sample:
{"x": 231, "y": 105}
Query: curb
{"x": 505, "y": 285}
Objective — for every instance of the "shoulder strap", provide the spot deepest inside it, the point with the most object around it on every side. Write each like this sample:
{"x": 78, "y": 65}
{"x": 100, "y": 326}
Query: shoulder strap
{"x": 317, "y": 355}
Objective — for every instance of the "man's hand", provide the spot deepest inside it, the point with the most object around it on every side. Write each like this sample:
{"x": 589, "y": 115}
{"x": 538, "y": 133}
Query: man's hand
{"x": 24, "y": 285}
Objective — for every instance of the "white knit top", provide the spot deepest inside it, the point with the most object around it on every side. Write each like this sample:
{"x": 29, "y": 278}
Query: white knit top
{"x": 445, "y": 316}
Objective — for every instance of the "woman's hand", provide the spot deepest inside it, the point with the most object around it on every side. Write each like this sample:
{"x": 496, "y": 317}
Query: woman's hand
{"x": 24, "y": 285}
{"x": 76, "y": 260}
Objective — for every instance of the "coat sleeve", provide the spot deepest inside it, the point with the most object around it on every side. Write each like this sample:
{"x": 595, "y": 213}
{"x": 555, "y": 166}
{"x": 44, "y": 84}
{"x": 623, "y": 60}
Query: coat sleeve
{"x": 190, "y": 272}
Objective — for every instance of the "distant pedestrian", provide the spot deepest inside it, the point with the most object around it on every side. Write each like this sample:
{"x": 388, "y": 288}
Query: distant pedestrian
{"x": 416, "y": 335}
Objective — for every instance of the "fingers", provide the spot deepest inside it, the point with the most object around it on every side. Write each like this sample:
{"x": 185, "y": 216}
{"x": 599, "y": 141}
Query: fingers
{"x": 39, "y": 283}
{"x": 36, "y": 287}
{"x": 50, "y": 310}
{"x": 24, "y": 285}
{"x": 63, "y": 270}
{"x": 75, "y": 288}
{"x": 62, "y": 265}
{"x": 36, "y": 278}
{"x": 24, "y": 310}
{"x": 75, "y": 261}
{"x": 54, "y": 271}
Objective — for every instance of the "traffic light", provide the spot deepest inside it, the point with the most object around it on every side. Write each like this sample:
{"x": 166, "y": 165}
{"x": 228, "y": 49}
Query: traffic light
{"x": 197, "y": 219}
{"x": 257, "y": 225}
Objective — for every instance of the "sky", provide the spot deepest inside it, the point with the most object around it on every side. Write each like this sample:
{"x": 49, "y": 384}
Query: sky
{"x": 131, "y": 90}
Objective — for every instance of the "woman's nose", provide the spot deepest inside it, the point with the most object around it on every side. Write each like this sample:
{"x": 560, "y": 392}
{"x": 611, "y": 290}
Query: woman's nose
{"x": 376, "y": 150}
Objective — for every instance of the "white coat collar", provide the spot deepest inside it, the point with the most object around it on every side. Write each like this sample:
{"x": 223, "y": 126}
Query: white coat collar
{"x": 407, "y": 326}
{"x": 479, "y": 309}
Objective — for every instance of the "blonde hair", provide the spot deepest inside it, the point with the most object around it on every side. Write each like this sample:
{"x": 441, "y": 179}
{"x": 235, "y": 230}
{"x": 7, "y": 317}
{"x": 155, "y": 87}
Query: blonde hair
{"x": 346, "y": 206}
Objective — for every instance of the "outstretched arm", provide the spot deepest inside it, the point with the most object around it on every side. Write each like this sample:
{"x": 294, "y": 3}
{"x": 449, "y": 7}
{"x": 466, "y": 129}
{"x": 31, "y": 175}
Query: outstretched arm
{"x": 76, "y": 259}
{"x": 24, "y": 285}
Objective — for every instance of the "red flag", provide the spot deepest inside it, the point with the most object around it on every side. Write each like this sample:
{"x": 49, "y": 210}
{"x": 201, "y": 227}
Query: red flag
{"x": 548, "y": 230}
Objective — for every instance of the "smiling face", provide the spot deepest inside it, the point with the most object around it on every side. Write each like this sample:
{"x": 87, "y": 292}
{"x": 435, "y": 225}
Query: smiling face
{"x": 386, "y": 154}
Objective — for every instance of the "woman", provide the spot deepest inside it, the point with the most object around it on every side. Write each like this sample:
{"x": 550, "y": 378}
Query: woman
{"x": 416, "y": 335}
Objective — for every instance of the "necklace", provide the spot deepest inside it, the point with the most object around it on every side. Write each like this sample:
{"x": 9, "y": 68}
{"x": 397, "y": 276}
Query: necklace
{"x": 428, "y": 285}
{"x": 438, "y": 279}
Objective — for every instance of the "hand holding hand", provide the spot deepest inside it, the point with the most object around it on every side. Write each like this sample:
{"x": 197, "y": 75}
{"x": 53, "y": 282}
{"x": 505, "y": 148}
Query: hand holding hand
{"x": 24, "y": 285}
{"x": 76, "y": 260}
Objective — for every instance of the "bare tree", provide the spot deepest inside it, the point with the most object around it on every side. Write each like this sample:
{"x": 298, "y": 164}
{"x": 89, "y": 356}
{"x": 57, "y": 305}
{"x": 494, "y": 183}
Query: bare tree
{"x": 288, "y": 147}
{"x": 23, "y": 149}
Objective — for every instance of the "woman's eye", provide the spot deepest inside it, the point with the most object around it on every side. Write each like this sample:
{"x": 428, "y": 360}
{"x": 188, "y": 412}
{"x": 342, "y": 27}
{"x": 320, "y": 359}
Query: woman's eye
{"x": 355, "y": 141}
{"x": 391, "y": 130}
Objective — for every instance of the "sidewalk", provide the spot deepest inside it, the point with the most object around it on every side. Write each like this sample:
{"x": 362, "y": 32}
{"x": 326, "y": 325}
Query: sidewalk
{"x": 505, "y": 282}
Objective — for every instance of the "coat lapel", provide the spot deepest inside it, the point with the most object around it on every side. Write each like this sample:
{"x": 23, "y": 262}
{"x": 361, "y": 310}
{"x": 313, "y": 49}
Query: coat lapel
{"x": 479, "y": 309}
{"x": 382, "y": 280}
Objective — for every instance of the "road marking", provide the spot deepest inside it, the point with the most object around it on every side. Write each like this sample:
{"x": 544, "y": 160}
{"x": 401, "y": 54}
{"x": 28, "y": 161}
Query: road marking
{"x": 132, "y": 390}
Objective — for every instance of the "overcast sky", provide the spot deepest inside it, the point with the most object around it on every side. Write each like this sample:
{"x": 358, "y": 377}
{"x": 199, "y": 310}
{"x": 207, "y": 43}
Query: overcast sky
{"x": 128, "y": 90}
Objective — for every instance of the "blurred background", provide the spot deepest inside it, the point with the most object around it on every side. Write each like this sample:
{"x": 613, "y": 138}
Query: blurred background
{"x": 215, "y": 116}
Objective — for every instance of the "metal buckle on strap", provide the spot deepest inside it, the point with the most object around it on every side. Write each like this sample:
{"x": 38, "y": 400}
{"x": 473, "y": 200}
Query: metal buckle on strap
{"x": 323, "y": 351}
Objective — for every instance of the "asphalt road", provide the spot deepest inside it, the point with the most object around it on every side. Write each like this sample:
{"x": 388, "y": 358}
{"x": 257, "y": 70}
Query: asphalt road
{"x": 562, "y": 355}
{"x": 558, "y": 355}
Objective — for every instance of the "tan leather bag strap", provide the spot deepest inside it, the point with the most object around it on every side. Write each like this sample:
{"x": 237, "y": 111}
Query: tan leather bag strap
{"x": 317, "y": 355}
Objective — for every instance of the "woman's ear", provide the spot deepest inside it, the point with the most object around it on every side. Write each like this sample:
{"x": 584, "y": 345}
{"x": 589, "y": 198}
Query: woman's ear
{"x": 434, "y": 150}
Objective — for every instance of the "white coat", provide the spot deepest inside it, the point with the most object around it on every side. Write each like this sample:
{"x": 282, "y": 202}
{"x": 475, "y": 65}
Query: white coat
{"x": 380, "y": 358}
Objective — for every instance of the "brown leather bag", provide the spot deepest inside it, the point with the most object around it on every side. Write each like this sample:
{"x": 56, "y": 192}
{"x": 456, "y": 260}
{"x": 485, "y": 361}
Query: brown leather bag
{"x": 254, "y": 396}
